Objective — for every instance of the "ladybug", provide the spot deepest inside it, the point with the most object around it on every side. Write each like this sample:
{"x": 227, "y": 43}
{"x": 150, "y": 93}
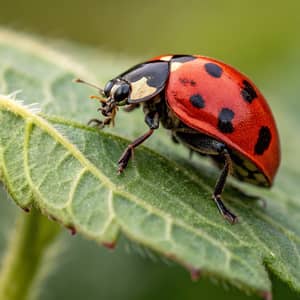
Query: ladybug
{"x": 209, "y": 107}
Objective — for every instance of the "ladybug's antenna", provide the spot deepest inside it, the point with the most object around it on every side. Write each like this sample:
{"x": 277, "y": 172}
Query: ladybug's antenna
{"x": 89, "y": 84}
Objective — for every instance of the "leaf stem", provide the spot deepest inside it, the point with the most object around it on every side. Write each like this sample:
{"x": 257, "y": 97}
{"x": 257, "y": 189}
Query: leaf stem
{"x": 25, "y": 255}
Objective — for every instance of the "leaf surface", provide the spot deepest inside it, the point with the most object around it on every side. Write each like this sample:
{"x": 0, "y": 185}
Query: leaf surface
{"x": 69, "y": 171}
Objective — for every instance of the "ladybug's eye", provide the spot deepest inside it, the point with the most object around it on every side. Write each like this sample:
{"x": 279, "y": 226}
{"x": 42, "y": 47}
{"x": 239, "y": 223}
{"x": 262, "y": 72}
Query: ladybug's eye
{"x": 122, "y": 92}
{"x": 108, "y": 88}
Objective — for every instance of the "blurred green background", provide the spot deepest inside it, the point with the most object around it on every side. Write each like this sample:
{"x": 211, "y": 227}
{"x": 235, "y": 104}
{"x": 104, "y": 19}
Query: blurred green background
{"x": 261, "y": 38}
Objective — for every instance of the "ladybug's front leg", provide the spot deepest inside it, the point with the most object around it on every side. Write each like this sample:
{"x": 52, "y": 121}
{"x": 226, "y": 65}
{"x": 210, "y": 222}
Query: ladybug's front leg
{"x": 99, "y": 123}
{"x": 152, "y": 121}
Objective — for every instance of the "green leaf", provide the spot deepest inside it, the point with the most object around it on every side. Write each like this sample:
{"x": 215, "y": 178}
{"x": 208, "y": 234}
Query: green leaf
{"x": 68, "y": 170}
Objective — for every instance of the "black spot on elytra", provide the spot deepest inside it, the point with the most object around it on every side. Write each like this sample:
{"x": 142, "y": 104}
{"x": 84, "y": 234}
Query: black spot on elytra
{"x": 248, "y": 93}
{"x": 224, "y": 121}
{"x": 263, "y": 141}
{"x": 182, "y": 58}
{"x": 186, "y": 81}
{"x": 197, "y": 101}
{"x": 213, "y": 69}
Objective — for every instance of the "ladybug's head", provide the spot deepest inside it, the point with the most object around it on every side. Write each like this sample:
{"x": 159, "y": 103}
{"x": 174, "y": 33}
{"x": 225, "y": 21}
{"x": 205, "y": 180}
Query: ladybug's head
{"x": 114, "y": 94}
{"x": 117, "y": 92}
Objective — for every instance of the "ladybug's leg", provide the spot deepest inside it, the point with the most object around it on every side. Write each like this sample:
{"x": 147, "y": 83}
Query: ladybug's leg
{"x": 98, "y": 123}
{"x": 128, "y": 153}
{"x": 153, "y": 123}
{"x": 131, "y": 107}
{"x": 205, "y": 145}
{"x": 220, "y": 186}
{"x": 174, "y": 139}
{"x": 110, "y": 117}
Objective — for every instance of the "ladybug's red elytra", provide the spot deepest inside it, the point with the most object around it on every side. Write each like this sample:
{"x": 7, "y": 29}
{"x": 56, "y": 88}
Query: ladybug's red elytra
{"x": 209, "y": 107}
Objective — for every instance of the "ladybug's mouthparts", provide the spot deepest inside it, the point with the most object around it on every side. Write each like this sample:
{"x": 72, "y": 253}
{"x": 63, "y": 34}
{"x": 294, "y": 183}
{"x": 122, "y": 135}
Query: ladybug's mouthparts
{"x": 108, "y": 105}
{"x": 108, "y": 108}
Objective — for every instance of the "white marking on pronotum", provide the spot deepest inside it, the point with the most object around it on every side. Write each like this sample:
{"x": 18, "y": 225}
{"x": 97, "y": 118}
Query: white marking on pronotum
{"x": 141, "y": 89}
{"x": 166, "y": 58}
